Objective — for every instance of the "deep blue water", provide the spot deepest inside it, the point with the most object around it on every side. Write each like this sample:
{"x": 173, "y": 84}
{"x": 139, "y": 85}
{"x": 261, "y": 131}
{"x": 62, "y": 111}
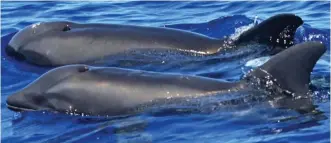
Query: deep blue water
{"x": 216, "y": 19}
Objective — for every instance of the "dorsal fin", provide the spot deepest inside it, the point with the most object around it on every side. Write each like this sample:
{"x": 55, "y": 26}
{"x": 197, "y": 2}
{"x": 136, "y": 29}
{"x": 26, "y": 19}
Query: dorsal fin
{"x": 277, "y": 31}
{"x": 292, "y": 67}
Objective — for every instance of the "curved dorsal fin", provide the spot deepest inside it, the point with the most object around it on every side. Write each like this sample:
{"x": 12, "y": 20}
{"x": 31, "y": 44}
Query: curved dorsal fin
{"x": 276, "y": 31}
{"x": 293, "y": 66}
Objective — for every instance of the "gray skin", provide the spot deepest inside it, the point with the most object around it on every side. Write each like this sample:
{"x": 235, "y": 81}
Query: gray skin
{"x": 61, "y": 43}
{"x": 115, "y": 91}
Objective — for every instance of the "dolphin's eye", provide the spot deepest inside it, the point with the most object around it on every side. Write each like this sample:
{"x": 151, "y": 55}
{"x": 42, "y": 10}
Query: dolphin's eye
{"x": 83, "y": 69}
{"x": 66, "y": 28}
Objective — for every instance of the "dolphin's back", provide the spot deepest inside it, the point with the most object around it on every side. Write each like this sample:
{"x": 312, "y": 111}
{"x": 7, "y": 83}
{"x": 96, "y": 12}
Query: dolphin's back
{"x": 93, "y": 43}
{"x": 117, "y": 91}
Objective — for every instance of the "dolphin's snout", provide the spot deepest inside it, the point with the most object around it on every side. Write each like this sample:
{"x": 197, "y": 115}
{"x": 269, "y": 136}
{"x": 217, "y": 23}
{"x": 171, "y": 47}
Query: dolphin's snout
{"x": 22, "y": 102}
{"x": 10, "y": 51}
{"x": 14, "y": 102}
{"x": 28, "y": 55}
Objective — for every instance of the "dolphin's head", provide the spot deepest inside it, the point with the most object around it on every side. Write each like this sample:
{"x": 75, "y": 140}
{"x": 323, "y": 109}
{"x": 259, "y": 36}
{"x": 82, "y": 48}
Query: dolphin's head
{"x": 32, "y": 32}
{"x": 78, "y": 89}
{"x": 36, "y": 96}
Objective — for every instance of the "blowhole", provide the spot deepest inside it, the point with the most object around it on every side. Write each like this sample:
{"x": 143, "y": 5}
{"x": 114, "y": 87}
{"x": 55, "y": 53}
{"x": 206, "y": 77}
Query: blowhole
{"x": 66, "y": 28}
{"x": 83, "y": 69}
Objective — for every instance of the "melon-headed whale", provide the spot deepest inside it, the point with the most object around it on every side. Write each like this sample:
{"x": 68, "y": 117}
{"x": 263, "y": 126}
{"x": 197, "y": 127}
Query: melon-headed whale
{"x": 62, "y": 43}
{"x": 116, "y": 91}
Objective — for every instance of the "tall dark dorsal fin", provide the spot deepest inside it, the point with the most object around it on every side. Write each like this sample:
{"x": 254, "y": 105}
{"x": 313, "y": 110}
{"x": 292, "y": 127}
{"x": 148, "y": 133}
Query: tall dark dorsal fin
{"x": 276, "y": 31}
{"x": 292, "y": 67}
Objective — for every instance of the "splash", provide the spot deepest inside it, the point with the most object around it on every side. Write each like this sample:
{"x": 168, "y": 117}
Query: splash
{"x": 240, "y": 30}
{"x": 257, "y": 62}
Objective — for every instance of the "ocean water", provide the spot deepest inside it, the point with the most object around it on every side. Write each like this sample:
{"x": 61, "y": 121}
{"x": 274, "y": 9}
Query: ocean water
{"x": 255, "y": 123}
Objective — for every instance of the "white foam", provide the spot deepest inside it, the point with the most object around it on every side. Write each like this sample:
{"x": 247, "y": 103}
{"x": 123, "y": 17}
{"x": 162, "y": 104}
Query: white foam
{"x": 257, "y": 62}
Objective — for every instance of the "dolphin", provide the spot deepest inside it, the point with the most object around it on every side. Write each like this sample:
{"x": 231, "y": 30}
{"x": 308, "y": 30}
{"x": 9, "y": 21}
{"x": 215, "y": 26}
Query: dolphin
{"x": 62, "y": 42}
{"x": 116, "y": 91}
